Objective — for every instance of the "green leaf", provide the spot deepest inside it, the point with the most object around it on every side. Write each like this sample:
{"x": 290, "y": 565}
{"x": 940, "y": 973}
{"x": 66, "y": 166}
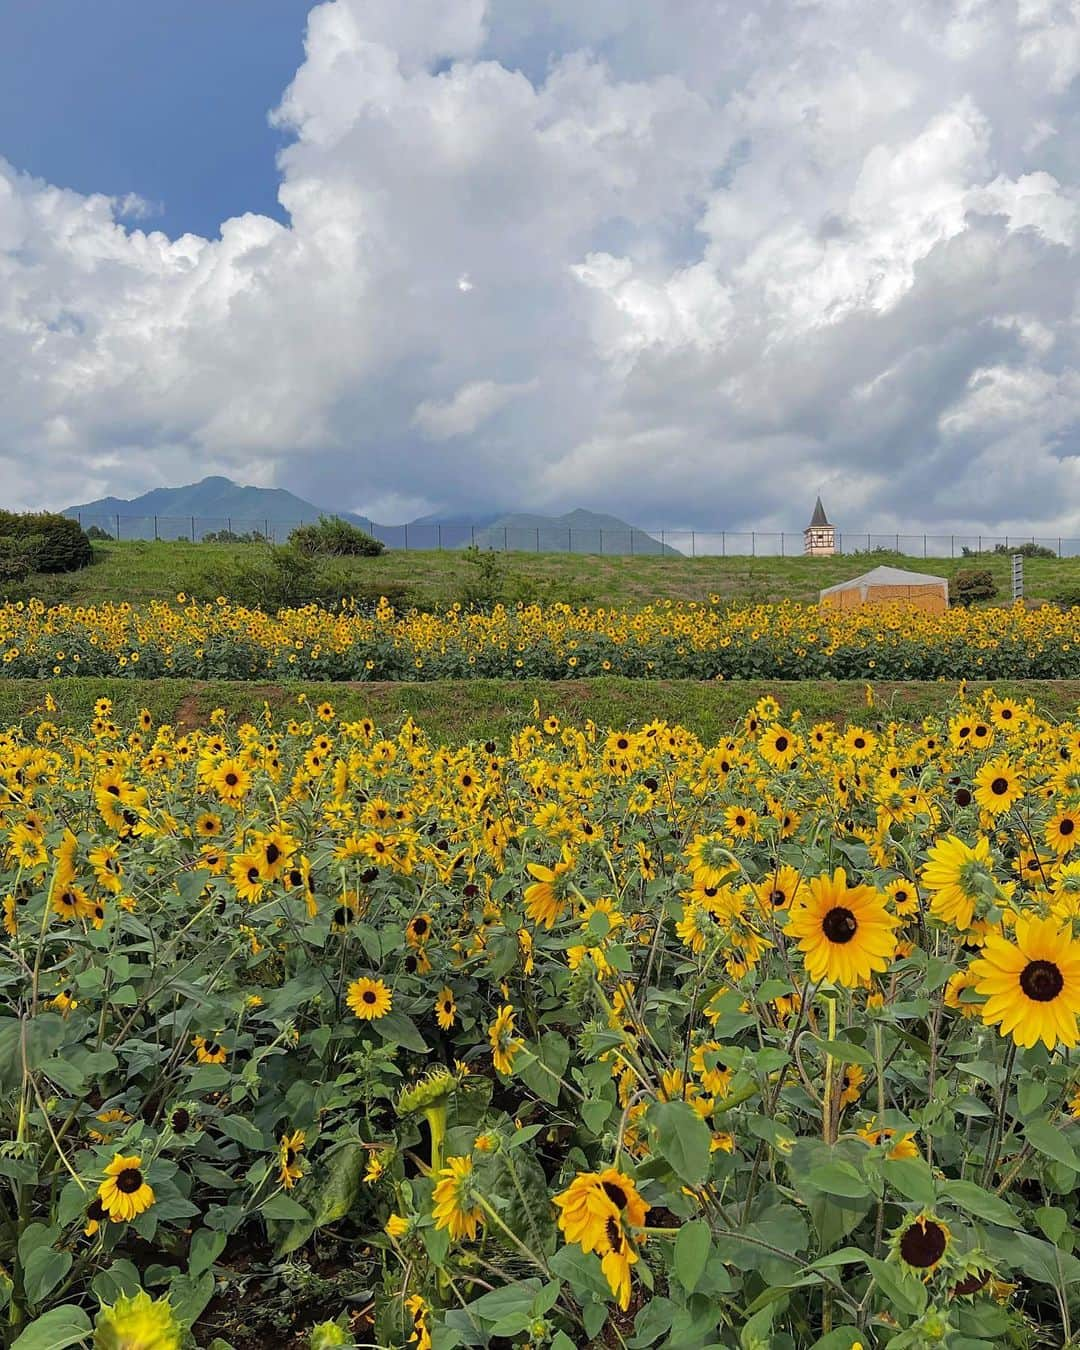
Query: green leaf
{"x": 974, "y": 1200}
{"x": 904, "y": 1292}
{"x": 840, "y": 1338}
{"x": 839, "y": 1178}
{"x": 846, "y": 1052}
{"x": 206, "y": 1246}
{"x": 44, "y": 1271}
{"x": 189, "y": 1295}
{"x": 912, "y": 1178}
{"x": 56, "y": 1330}
{"x": 683, "y": 1139}
{"x": 692, "y": 1248}
{"x": 1050, "y": 1140}
{"x": 540, "y": 1067}
{"x": 341, "y": 1182}
{"x": 243, "y": 1131}
{"x": 397, "y": 1029}
{"x": 1053, "y": 1221}
{"x": 283, "y": 1207}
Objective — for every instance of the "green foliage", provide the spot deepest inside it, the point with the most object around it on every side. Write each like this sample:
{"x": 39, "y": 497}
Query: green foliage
{"x": 97, "y": 535}
{"x": 284, "y": 577}
{"x": 971, "y": 584}
{"x": 227, "y": 536}
{"x": 61, "y": 545}
{"x": 1028, "y": 549}
{"x": 333, "y": 537}
{"x": 19, "y": 555}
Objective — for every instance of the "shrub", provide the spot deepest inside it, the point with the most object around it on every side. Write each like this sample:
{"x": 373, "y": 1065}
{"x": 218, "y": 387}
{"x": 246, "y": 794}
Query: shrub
{"x": 232, "y": 537}
{"x": 19, "y": 555}
{"x": 485, "y": 580}
{"x": 64, "y": 546}
{"x": 97, "y": 535}
{"x": 284, "y": 578}
{"x": 1028, "y": 550}
{"x": 971, "y": 584}
{"x": 335, "y": 538}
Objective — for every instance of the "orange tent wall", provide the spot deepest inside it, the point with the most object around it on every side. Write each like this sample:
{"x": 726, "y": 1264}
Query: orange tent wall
{"x": 929, "y": 598}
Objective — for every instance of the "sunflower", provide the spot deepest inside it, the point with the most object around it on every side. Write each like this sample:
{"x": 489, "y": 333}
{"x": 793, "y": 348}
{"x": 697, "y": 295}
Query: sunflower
{"x": 418, "y": 930}
{"x": 898, "y": 1146}
{"x": 1033, "y": 984}
{"x": 590, "y": 1199}
{"x": 778, "y": 889}
{"x": 903, "y": 897}
{"x": 455, "y": 1204}
{"x": 960, "y": 877}
{"x": 71, "y": 902}
{"x": 445, "y": 1009}
{"x": 998, "y": 785}
{"x": 711, "y": 1071}
{"x": 845, "y": 932}
{"x": 710, "y": 859}
{"x": 1062, "y": 831}
{"x": 851, "y": 1082}
{"x": 209, "y": 1052}
{"x": 396, "y": 1226}
{"x": 369, "y": 999}
{"x": 247, "y": 876}
{"x": 231, "y": 781}
{"x": 96, "y": 1215}
{"x": 273, "y": 851}
{"x": 547, "y": 897}
{"x": 289, "y": 1150}
{"x": 107, "y": 868}
{"x": 741, "y": 822}
{"x": 125, "y": 1192}
{"x": 921, "y": 1245}
{"x": 137, "y": 1323}
{"x": 779, "y": 747}
{"x": 859, "y": 743}
{"x": 501, "y": 1038}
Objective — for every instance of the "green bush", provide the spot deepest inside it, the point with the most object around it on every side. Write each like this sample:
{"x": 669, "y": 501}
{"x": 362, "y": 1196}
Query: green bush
{"x": 283, "y": 578}
{"x": 97, "y": 535}
{"x": 1029, "y": 550}
{"x": 19, "y": 556}
{"x": 971, "y": 584}
{"x": 64, "y": 546}
{"x": 333, "y": 537}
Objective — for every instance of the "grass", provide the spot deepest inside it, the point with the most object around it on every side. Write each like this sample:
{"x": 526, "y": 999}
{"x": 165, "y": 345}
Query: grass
{"x": 140, "y": 571}
{"x": 457, "y": 711}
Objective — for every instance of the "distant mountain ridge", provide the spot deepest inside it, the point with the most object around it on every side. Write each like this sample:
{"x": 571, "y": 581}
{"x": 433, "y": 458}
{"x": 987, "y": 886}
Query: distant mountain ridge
{"x": 217, "y": 503}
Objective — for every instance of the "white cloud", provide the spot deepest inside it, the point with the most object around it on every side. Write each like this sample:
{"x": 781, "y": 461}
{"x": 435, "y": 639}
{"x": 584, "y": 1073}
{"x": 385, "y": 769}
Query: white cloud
{"x": 683, "y": 262}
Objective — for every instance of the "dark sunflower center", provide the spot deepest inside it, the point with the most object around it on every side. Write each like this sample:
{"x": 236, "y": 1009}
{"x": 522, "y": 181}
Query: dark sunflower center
{"x": 999, "y": 787}
{"x": 900, "y": 897}
{"x": 129, "y": 1180}
{"x": 839, "y": 925}
{"x": 923, "y": 1244}
{"x": 778, "y": 898}
{"x": 290, "y": 1156}
{"x": 615, "y": 1194}
{"x": 96, "y": 1211}
{"x": 295, "y": 877}
{"x": 614, "y": 1234}
{"x": 1042, "y": 981}
{"x": 273, "y": 853}
{"x": 859, "y": 743}
{"x": 253, "y": 875}
{"x": 962, "y": 797}
{"x": 181, "y": 1119}
{"x": 1067, "y": 826}
{"x": 231, "y": 779}
{"x": 368, "y": 996}
{"x": 971, "y": 1284}
{"x": 781, "y": 744}
{"x": 420, "y": 927}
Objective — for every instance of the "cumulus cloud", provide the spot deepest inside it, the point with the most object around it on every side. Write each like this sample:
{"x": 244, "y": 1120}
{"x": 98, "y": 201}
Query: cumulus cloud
{"x": 690, "y": 264}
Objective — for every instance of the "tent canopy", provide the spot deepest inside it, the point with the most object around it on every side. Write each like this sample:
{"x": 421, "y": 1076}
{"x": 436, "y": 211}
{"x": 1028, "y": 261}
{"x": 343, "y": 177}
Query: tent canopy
{"x": 888, "y": 576}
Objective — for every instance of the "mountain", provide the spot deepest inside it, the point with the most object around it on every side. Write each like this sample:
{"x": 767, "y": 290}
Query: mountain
{"x": 202, "y": 508}
{"x": 216, "y": 504}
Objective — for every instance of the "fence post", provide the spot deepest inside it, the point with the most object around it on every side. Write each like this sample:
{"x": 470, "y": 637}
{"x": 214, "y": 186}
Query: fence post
{"x": 505, "y": 549}
{"x": 266, "y": 529}
{"x": 868, "y": 543}
{"x": 723, "y": 543}
{"x": 952, "y": 545}
{"x": 472, "y": 536}
{"x": 1059, "y": 548}
{"x": 406, "y": 537}
{"x": 663, "y": 546}
{"x": 569, "y": 538}
{"x": 898, "y": 543}
{"x": 693, "y": 547}
{"x": 118, "y": 525}
{"x": 980, "y": 544}
{"x": 631, "y": 541}
{"x": 538, "y": 538}
{"x": 78, "y": 517}
{"x": 753, "y": 544}
{"x": 781, "y": 543}
{"x": 155, "y": 530}
{"x": 438, "y": 535}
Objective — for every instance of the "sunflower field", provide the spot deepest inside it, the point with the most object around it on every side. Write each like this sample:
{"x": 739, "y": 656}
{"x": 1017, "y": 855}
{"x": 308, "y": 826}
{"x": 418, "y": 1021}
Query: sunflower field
{"x": 669, "y": 639}
{"x": 313, "y": 1036}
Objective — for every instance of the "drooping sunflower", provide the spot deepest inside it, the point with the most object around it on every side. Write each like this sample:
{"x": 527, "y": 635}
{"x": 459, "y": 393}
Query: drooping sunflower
{"x": 590, "y": 1199}
{"x": 998, "y": 785}
{"x": 369, "y": 999}
{"x": 445, "y": 1008}
{"x": 960, "y": 876}
{"x": 1032, "y": 984}
{"x": 548, "y": 896}
{"x": 455, "y": 1205}
{"x": 845, "y": 932}
{"x": 898, "y": 1146}
{"x": 125, "y": 1192}
{"x": 504, "y": 1046}
{"x": 922, "y": 1244}
{"x": 289, "y": 1149}
{"x": 137, "y": 1321}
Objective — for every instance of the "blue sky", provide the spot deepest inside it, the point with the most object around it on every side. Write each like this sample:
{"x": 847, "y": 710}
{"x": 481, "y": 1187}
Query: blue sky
{"x": 167, "y": 100}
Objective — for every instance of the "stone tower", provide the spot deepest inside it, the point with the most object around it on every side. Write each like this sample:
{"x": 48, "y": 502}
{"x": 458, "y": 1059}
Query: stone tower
{"x": 819, "y": 537}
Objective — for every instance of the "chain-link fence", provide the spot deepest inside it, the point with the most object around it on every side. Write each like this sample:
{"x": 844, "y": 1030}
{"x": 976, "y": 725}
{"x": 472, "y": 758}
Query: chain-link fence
{"x": 556, "y": 539}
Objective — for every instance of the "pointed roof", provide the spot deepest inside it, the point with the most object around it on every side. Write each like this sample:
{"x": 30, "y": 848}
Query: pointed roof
{"x": 818, "y": 518}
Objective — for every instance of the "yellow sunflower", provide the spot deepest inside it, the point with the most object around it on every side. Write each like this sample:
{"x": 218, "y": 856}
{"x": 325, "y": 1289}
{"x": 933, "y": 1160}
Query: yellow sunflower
{"x": 1032, "y": 984}
{"x": 125, "y": 1192}
{"x": 547, "y": 897}
{"x": 289, "y": 1149}
{"x": 501, "y": 1038}
{"x": 845, "y": 932}
{"x": 445, "y": 1009}
{"x": 369, "y": 999}
{"x": 998, "y": 785}
{"x": 959, "y": 876}
{"x": 455, "y": 1205}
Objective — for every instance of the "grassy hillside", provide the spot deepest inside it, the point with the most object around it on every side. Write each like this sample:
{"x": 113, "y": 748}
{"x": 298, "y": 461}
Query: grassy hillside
{"x": 476, "y": 709}
{"x": 141, "y": 571}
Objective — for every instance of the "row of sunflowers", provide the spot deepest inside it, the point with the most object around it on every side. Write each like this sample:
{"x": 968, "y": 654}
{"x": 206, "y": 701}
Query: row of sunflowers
{"x": 670, "y": 639}
{"x": 592, "y": 1038}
